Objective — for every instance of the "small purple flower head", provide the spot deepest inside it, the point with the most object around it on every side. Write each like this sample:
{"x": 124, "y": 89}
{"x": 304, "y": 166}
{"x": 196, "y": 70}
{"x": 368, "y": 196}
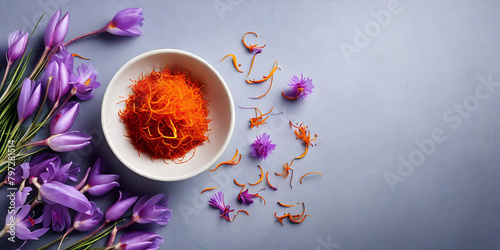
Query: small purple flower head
{"x": 41, "y": 162}
{"x": 56, "y": 29}
{"x": 153, "y": 210}
{"x": 56, "y": 215}
{"x": 63, "y": 56}
{"x": 300, "y": 87}
{"x": 63, "y": 120}
{"x": 217, "y": 201}
{"x": 247, "y": 198}
{"x": 85, "y": 81}
{"x": 126, "y": 22}
{"x": 59, "y": 85}
{"x": 86, "y": 221}
{"x": 117, "y": 210}
{"x": 18, "y": 40}
{"x": 98, "y": 183}
{"x": 139, "y": 240}
{"x": 20, "y": 173}
{"x": 262, "y": 147}
{"x": 58, "y": 193}
{"x": 60, "y": 173}
{"x": 23, "y": 223}
{"x": 29, "y": 98}
{"x": 68, "y": 141}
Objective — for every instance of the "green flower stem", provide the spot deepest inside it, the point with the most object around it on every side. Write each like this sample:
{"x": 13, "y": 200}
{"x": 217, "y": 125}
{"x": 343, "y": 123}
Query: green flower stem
{"x": 9, "y": 64}
{"x": 40, "y": 63}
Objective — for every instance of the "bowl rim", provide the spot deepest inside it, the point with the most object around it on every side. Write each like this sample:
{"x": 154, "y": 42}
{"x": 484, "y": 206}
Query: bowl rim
{"x": 107, "y": 95}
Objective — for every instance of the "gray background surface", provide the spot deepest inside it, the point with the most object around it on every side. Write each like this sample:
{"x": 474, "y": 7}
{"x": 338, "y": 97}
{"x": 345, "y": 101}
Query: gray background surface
{"x": 430, "y": 72}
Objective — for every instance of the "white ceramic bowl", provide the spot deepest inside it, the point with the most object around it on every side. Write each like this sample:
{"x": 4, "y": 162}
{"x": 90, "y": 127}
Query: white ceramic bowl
{"x": 221, "y": 109}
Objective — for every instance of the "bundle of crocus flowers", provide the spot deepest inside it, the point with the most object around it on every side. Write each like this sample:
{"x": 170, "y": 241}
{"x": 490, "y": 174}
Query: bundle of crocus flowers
{"x": 48, "y": 97}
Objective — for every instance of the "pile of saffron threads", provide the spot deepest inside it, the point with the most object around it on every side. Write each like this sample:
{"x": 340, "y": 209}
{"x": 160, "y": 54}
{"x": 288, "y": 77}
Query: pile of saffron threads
{"x": 166, "y": 115}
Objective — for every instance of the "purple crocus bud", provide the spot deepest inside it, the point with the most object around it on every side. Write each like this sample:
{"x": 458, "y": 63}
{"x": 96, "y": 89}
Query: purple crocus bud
{"x": 23, "y": 223}
{"x": 54, "y": 192}
{"x": 68, "y": 141}
{"x": 63, "y": 120}
{"x": 152, "y": 210}
{"x": 56, "y": 215}
{"x": 20, "y": 173}
{"x": 29, "y": 98}
{"x": 18, "y": 40}
{"x": 59, "y": 85}
{"x": 85, "y": 81}
{"x": 98, "y": 183}
{"x": 117, "y": 210}
{"x": 56, "y": 30}
{"x": 41, "y": 162}
{"x": 126, "y": 22}
{"x": 139, "y": 240}
{"x": 86, "y": 221}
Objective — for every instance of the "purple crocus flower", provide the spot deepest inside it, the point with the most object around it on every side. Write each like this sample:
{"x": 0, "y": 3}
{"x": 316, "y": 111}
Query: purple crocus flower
{"x": 63, "y": 120}
{"x": 57, "y": 215}
{"x": 98, "y": 183}
{"x": 152, "y": 210}
{"x": 59, "y": 85}
{"x": 68, "y": 141}
{"x": 60, "y": 173}
{"x": 54, "y": 192}
{"x": 126, "y": 22}
{"x": 247, "y": 198}
{"x": 300, "y": 87}
{"x": 262, "y": 147}
{"x": 86, "y": 221}
{"x": 63, "y": 56}
{"x": 217, "y": 201}
{"x": 139, "y": 240}
{"x": 18, "y": 40}
{"x": 117, "y": 210}
{"x": 56, "y": 29}
{"x": 41, "y": 162}
{"x": 23, "y": 223}
{"x": 85, "y": 81}
{"x": 21, "y": 196}
{"x": 20, "y": 173}
{"x": 29, "y": 98}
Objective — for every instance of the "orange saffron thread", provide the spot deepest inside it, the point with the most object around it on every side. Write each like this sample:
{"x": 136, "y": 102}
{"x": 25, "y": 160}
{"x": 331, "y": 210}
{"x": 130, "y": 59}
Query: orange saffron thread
{"x": 259, "y": 118}
{"x": 262, "y": 198}
{"x": 309, "y": 174}
{"x": 268, "y": 183}
{"x": 304, "y": 134}
{"x": 235, "y": 63}
{"x": 269, "y": 89}
{"x": 207, "y": 189}
{"x": 251, "y": 65}
{"x": 285, "y": 205}
{"x": 261, "y": 177}
{"x": 230, "y": 162}
{"x": 250, "y": 46}
{"x": 166, "y": 115}
{"x": 265, "y": 78}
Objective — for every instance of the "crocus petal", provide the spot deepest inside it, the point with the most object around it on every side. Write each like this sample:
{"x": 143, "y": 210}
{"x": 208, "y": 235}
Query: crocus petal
{"x": 68, "y": 141}
{"x": 21, "y": 196}
{"x": 68, "y": 196}
{"x": 140, "y": 240}
{"x": 117, "y": 210}
{"x": 63, "y": 120}
{"x": 51, "y": 26}
{"x": 61, "y": 29}
{"x": 151, "y": 211}
{"x": 87, "y": 221}
{"x": 99, "y": 190}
